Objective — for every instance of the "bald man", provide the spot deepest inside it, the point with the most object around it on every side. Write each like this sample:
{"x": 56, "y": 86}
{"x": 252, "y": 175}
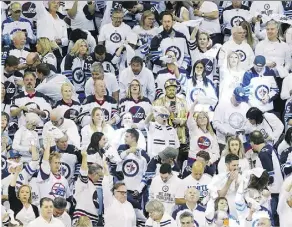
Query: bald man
{"x": 197, "y": 179}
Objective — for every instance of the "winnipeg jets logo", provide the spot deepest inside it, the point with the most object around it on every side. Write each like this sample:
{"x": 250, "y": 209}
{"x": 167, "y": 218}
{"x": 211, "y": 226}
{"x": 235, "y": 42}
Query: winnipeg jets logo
{"x": 236, "y": 120}
{"x": 175, "y": 50}
{"x": 58, "y": 190}
{"x": 241, "y": 54}
{"x": 235, "y": 21}
{"x": 115, "y": 38}
{"x": 130, "y": 168}
{"x": 261, "y": 92}
{"x": 78, "y": 76}
{"x": 204, "y": 142}
{"x": 138, "y": 113}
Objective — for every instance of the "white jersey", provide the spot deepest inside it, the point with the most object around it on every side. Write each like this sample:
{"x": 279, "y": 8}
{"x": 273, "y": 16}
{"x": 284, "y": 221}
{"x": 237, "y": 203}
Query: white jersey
{"x": 268, "y": 8}
{"x": 113, "y": 36}
{"x": 229, "y": 119}
{"x": 201, "y": 185}
{"x": 160, "y": 137}
{"x": 134, "y": 167}
{"x": 51, "y": 185}
{"x": 145, "y": 36}
{"x": 165, "y": 192}
{"x": 87, "y": 202}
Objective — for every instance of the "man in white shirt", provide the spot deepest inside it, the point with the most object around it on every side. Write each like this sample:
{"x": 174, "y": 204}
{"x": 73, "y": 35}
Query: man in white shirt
{"x": 113, "y": 35}
{"x": 238, "y": 45}
{"x": 59, "y": 211}
{"x": 51, "y": 83}
{"x": 46, "y": 218}
{"x": 111, "y": 83}
{"x": 164, "y": 187}
{"x": 137, "y": 71}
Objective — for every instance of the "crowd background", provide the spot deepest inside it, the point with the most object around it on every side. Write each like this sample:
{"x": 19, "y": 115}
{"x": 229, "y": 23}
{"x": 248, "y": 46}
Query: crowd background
{"x": 146, "y": 113}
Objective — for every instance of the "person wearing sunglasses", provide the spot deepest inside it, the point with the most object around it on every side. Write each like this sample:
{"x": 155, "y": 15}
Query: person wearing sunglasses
{"x": 16, "y": 22}
{"x": 160, "y": 134}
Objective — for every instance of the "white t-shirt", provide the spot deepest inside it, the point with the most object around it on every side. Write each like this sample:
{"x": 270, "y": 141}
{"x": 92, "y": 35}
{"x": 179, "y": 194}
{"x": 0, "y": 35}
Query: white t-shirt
{"x": 79, "y": 21}
{"x": 113, "y": 36}
{"x": 207, "y": 25}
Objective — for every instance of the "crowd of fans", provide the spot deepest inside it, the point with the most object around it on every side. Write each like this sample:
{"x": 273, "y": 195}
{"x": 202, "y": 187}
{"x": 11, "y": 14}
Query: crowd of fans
{"x": 146, "y": 113}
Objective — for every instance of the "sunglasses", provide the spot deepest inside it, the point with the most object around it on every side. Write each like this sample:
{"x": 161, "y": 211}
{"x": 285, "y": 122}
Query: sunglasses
{"x": 17, "y": 11}
{"x": 164, "y": 116}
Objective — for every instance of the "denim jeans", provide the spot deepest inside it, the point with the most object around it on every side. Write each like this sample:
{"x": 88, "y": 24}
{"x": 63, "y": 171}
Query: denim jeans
{"x": 100, "y": 199}
{"x": 274, "y": 205}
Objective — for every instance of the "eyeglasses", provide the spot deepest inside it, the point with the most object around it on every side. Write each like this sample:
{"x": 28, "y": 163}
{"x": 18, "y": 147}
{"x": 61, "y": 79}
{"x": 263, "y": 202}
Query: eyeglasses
{"x": 164, "y": 116}
{"x": 17, "y": 11}
{"x": 122, "y": 192}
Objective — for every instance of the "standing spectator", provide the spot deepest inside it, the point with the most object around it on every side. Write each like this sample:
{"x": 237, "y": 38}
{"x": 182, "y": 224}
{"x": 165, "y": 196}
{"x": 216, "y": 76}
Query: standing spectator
{"x": 20, "y": 202}
{"x": 164, "y": 187}
{"x": 285, "y": 202}
{"x": 169, "y": 39}
{"x": 238, "y": 45}
{"x": 118, "y": 211}
{"x": 158, "y": 215}
{"x": 199, "y": 180}
{"x": 250, "y": 37}
{"x": 97, "y": 72}
{"x": 112, "y": 35}
{"x": 137, "y": 70}
{"x": 46, "y": 217}
{"x": 85, "y": 186}
{"x": 263, "y": 87}
{"x": 135, "y": 102}
{"x": 81, "y": 14}
{"x": 208, "y": 11}
{"x": 49, "y": 24}
{"x": 51, "y": 83}
{"x": 268, "y": 159}
{"x": 60, "y": 212}
{"x": 232, "y": 16}
{"x": 16, "y": 22}
{"x": 74, "y": 66}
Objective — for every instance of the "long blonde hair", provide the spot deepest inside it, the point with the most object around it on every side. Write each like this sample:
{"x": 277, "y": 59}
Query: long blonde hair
{"x": 18, "y": 192}
{"x": 226, "y": 151}
{"x": 228, "y": 56}
{"x": 209, "y": 127}
{"x": 47, "y": 46}
{"x": 129, "y": 95}
{"x": 146, "y": 13}
{"x": 75, "y": 49}
{"x": 83, "y": 221}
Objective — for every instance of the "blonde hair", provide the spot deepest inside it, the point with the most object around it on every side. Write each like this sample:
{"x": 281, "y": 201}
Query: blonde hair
{"x": 18, "y": 192}
{"x": 209, "y": 127}
{"x": 83, "y": 221}
{"x": 66, "y": 84}
{"x": 54, "y": 154}
{"x": 146, "y": 13}
{"x": 17, "y": 34}
{"x": 75, "y": 49}
{"x": 226, "y": 151}
{"x": 129, "y": 95}
{"x": 103, "y": 124}
{"x": 238, "y": 63}
{"x": 47, "y": 45}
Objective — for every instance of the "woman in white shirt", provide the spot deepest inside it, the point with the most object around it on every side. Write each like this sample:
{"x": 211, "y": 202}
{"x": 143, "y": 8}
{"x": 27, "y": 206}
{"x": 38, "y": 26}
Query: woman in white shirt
{"x": 202, "y": 136}
{"x": 118, "y": 211}
{"x": 97, "y": 124}
{"x": 234, "y": 146}
{"x": 230, "y": 76}
{"x": 200, "y": 88}
{"x": 251, "y": 38}
{"x": 45, "y": 49}
{"x": 26, "y": 136}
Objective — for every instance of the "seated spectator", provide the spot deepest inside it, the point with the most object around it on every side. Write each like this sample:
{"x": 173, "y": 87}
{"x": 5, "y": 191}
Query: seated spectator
{"x": 60, "y": 212}
{"x": 135, "y": 103}
{"x": 157, "y": 214}
{"x": 26, "y": 136}
{"x": 5, "y": 101}
{"x": 46, "y": 48}
{"x": 77, "y": 34}
{"x": 6, "y": 141}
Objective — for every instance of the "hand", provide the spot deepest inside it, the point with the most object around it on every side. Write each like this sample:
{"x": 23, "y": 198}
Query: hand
{"x": 176, "y": 121}
{"x": 171, "y": 109}
{"x": 23, "y": 108}
{"x": 266, "y": 99}
{"x": 4, "y": 140}
{"x": 22, "y": 66}
{"x": 290, "y": 122}
{"x": 271, "y": 64}
{"x": 50, "y": 140}
{"x": 197, "y": 13}
{"x": 136, "y": 194}
{"x": 266, "y": 193}
{"x": 58, "y": 41}
{"x": 134, "y": 126}
{"x": 233, "y": 175}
